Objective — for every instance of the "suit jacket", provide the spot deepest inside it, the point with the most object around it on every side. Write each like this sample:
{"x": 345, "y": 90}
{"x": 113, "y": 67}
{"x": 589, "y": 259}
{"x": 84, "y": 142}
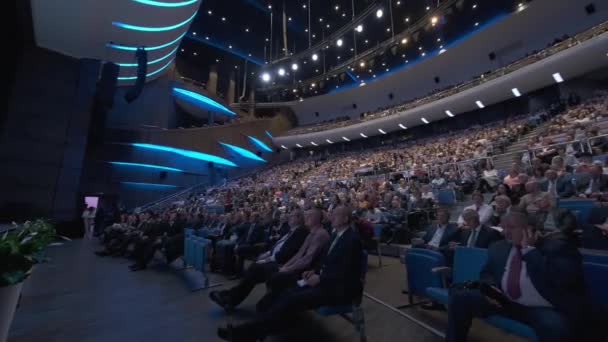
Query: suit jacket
{"x": 450, "y": 230}
{"x": 485, "y": 238}
{"x": 554, "y": 267}
{"x": 340, "y": 271}
{"x": 583, "y": 183}
{"x": 291, "y": 245}
{"x": 250, "y": 234}
{"x": 563, "y": 186}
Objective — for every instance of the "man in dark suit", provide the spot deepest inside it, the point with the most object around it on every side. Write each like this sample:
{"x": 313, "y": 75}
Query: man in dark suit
{"x": 558, "y": 186}
{"x": 336, "y": 282}
{"x": 250, "y": 241}
{"x": 537, "y": 282}
{"x": 266, "y": 264}
{"x": 438, "y": 235}
{"x": 594, "y": 186}
{"x": 473, "y": 233}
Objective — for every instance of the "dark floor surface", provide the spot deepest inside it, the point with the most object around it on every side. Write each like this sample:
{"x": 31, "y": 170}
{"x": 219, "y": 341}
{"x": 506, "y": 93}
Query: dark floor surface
{"x": 80, "y": 297}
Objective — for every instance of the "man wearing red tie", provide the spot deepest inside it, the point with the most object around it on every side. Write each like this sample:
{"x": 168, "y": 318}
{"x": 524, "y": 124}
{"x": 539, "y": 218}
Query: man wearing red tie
{"x": 535, "y": 281}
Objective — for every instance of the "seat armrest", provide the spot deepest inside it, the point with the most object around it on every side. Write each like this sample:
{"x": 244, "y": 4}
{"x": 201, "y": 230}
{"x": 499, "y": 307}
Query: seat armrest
{"x": 442, "y": 270}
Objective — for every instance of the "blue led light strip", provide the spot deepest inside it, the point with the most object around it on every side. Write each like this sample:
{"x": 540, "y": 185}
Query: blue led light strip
{"x": 269, "y": 135}
{"x": 151, "y": 185}
{"x": 150, "y": 48}
{"x": 151, "y": 62}
{"x": 198, "y": 97}
{"x": 126, "y": 78}
{"x": 153, "y": 29}
{"x": 166, "y": 4}
{"x": 187, "y": 153}
{"x": 150, "y": 166}
{"x": 243, "y": 152}
{"x": 260, "y": 143}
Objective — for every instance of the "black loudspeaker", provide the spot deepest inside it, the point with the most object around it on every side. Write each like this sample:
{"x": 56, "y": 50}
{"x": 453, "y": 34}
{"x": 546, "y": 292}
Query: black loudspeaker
{"x": 492, "y": 56}
{"x": 317, "y": 114}
{"x": 258, "y": 153}
{"x": 354, "y": 106}
{"x": 107, "y": 84}
{"x": 590, "y": 9}
{"x": 437, "y": 79}
{"x": 278, "y": 150}
{"x": 391, "y": 96}
{"x": 162, "y": 175}
{"x": 210, "y": 165}
{"x": 142, "y": 69}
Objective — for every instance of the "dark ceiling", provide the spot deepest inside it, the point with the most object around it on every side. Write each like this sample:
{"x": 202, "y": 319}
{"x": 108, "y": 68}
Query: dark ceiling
{"x": 228, "y": 32}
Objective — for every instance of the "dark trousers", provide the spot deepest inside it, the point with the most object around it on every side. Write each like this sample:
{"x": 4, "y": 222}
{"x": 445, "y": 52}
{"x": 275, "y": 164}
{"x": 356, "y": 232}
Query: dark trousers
{"x": 277, "y": 284}
{"x": 243, "y": 252}
{"x": 548, "y": 324}
{"x": 280, "y": 314}
{"x": 255, "y": 274}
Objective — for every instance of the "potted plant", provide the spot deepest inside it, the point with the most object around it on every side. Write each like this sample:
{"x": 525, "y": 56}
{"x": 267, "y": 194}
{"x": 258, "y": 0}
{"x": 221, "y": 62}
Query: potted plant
{"x": 21, "y": 247}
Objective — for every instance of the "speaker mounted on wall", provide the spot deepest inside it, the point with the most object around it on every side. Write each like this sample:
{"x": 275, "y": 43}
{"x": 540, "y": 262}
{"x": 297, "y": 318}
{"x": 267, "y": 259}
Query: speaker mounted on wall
{"x": 142, "y": 69}
{"x": 590, "y": 8}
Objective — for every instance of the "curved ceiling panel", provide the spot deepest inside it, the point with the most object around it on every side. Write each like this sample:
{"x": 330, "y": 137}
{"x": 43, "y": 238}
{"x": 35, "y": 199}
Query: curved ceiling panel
{"x": 113, "y": 31}
{"x": 589, "y": 56}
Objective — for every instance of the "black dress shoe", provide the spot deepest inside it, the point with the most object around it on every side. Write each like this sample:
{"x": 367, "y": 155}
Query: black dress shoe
{"x": 228, "y": 333}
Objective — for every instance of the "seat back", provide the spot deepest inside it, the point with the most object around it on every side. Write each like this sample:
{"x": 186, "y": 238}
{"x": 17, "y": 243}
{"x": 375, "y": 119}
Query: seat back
{"x": 580, "y": 208}
{"x": 468, "y": 263}
{"x": 419, "y": 263}
{"x": 596, "y": 278}
{"x": 596, "y": 257}
{"x": 446, "y": 197}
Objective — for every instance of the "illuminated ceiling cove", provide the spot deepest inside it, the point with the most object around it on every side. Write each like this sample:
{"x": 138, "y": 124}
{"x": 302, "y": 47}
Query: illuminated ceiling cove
{"x": 113, "y": 29}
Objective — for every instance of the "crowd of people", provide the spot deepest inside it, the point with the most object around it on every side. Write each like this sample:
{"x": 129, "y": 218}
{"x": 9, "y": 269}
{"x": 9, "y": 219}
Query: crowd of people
{"x": 301, "y": 227}
{"x": 554, "y": 47}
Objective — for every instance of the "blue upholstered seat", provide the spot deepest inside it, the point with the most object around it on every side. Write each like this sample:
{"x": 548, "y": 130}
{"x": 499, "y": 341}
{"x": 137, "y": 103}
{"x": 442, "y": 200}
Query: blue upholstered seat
{"x": 512, "y": 326}
{"x": 596, "y": 278}
{"x": 468, "y": 263}
{"x": 419, "y": 263}
{"x": 580, "y": 207}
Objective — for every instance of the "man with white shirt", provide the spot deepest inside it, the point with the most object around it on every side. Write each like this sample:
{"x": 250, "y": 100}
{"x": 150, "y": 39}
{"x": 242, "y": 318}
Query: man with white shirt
{"x": 483, "y": 210}
{"x": 439, "y": 234}
{"x": 537, "y": 282}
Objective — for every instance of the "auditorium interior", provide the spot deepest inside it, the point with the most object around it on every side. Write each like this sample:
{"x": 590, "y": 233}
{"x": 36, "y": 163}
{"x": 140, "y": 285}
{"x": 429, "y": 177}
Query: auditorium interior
{"x": 305, "y": 170}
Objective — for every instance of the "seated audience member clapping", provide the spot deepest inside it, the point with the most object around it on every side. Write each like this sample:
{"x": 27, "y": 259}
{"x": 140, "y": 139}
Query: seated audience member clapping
{"x": 595, "y": 186}
{"x": 336, "y": 282}
{"x": 439, "y": 234}
{"x": 266, "y": 264}
{"x": 536, "y": 281}
{"x": 473, "y": 233}
{"x": 484, "y": 210}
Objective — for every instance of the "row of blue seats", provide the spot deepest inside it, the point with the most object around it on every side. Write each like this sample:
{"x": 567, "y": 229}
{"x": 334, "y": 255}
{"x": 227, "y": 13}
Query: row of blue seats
{"x": 424, "y": 281}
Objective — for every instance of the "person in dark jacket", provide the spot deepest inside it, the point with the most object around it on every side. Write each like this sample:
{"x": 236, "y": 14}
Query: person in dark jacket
{"x": 336, "y": 282}
{"x": 266, "y": 264}
{"x": 535, "y": 281}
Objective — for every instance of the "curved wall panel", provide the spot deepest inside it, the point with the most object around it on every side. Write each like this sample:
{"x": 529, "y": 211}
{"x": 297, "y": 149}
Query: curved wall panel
{"x": 511, "y": 38}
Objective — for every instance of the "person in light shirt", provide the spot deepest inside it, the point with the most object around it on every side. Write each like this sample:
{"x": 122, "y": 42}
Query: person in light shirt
{"x": 483, "y": 210}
